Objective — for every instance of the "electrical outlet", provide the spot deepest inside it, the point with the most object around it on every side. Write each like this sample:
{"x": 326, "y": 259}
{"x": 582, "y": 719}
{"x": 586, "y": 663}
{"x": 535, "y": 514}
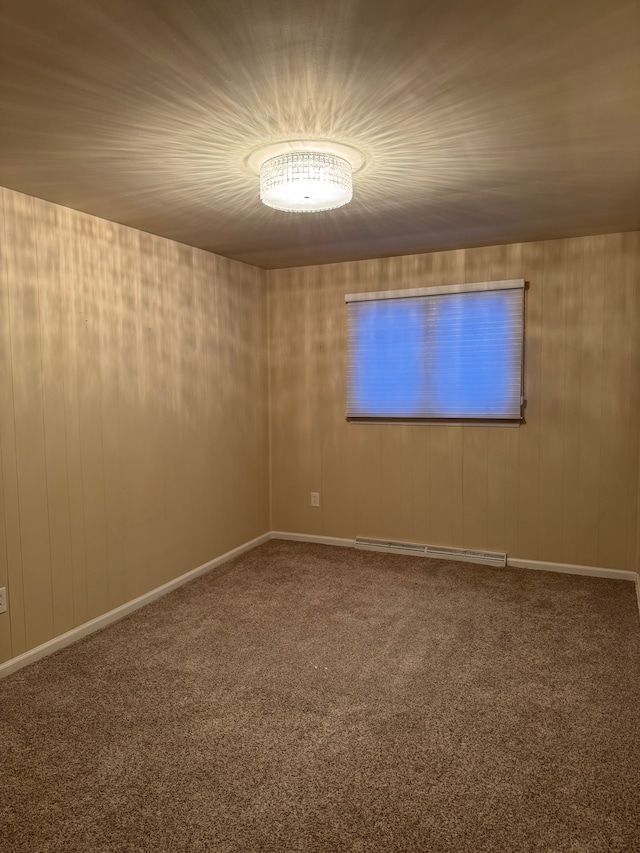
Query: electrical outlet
{"x": 315, "y": 498}
{"x": 3, "y": 599}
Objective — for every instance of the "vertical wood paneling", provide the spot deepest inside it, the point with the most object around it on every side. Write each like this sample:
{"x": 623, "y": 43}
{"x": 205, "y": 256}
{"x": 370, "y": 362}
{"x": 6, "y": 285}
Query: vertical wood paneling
{"x": 475, "y": 488}
{"x": 24, "y": 308}
{"x": 11, "y": 542}
{"x": 133, "y": 443}
{"x": 70, "y": 310}
{"x": 345, "y": 481}
{"x": 552, "y": 399}
{"x": 556, "y": 489}
{"x": 573, "y": 303}
{"x": 529, "y": 443}
{"x": 48, "y": 276}
{"x": 399, "y": 460}
{"x": 503, "y": 521}
{"x": 616, "y": 407}
{"x": 336, "y": 486}
{"x": 200, "y": 496}
{"x": 631, "y": 274}
{"x": 111, "y": 296}
{"x": 6, "y": 415}
{"x": 593, "y": 416}
{"x": 254, "y": 439}
{"x": 145, "y": 507}
{"x": 5, "y": 618}
{"x": 216, "y": 470}
{"x": 90, "y": 385}
{"x": 295, "y": 382}
{"x": 129, "y": 395}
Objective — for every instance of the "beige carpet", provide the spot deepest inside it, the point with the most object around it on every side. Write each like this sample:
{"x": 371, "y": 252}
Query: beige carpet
{"x": 310, "y": 698}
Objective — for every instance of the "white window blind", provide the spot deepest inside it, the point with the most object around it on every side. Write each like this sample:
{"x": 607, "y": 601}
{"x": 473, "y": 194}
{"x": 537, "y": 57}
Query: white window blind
{"x": 437, "y": 353}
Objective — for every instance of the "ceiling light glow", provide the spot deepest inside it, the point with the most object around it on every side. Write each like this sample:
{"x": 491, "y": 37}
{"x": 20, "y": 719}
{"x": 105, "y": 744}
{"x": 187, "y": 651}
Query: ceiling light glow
{"x": 304, "y": 176}
{"x": 306, "y": 181}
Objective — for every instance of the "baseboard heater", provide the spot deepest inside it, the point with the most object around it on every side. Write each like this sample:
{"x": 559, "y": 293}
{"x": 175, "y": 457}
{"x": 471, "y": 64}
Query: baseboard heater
{"x": 438, "y": 552}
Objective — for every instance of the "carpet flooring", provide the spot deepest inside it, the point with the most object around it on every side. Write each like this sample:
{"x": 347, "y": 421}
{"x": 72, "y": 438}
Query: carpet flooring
{"x": 315, "y": 698}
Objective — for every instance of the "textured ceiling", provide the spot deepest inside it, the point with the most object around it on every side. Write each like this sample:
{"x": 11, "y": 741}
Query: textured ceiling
{"x": 481, "y": 122}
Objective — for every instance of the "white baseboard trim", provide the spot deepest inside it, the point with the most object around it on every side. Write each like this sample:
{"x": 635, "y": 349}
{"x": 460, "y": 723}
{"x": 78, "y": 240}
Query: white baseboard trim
{"x": 571, "y": 569}
{"x": 538, "y": 565}
{"x": 319, "y": 540}
{"x": 100, "y": 622}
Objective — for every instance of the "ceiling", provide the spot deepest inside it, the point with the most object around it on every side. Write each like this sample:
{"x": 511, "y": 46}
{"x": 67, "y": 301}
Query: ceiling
{"x": 481, "y": 122}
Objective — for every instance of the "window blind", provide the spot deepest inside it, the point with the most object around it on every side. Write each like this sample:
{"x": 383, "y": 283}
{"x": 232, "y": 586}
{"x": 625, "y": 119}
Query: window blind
{"x": 437, "y": 353}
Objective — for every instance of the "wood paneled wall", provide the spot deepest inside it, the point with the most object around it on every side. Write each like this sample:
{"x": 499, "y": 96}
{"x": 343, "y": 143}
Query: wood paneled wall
{"x": 133, "y": 414}
{"x": 561, "y": 488}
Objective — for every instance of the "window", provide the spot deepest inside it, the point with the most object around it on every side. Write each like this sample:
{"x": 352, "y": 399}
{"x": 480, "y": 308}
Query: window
{"x": 440, "y": 353}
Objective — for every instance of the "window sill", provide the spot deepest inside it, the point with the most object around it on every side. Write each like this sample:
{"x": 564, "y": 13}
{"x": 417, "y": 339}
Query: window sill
{"x": 471, "y": 422}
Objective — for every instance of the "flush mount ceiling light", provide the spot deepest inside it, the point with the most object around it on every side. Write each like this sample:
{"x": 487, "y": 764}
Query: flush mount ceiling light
{"x": 304, "y": 176}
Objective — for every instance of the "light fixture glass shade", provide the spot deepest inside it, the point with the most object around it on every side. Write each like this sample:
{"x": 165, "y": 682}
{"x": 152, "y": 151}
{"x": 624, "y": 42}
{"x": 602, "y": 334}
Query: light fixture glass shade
{"x": 306, "y": 181}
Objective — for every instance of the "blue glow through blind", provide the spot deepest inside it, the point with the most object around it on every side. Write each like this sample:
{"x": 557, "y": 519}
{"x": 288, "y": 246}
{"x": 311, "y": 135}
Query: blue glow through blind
{"x": 456, "y": 355}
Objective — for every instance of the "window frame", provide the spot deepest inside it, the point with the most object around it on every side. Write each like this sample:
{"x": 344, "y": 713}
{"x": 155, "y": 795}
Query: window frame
{"x": 471, "y": 287}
